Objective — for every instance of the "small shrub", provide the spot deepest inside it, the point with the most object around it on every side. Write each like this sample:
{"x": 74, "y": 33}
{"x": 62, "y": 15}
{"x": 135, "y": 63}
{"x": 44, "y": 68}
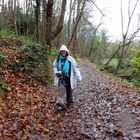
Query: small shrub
{"x": 135, "y": 83}
{"x": 36, "y": 62}
{"x": 54, "y": 53}
{"x": 23, "y": 48}
{"x": 5, "y": 32}
{"x": 4, "y": 86}
{"x": 112, "y": 63}
{"x": 27, "y": 40}
{"x": 135, "y": 60}
{"x": 3, "y": 89}
{"x": 2, "y": 94}
{"x": 76, "y": 57}
{"x": 3, "y": 58}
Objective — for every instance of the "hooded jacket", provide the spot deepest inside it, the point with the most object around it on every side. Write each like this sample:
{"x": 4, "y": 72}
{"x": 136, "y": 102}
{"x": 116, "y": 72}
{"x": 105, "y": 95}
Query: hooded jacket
{"x": 75, "y": 72}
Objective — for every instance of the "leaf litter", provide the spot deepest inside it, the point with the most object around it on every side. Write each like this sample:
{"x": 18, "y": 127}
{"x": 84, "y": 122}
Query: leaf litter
{"x": 104, "y": 108}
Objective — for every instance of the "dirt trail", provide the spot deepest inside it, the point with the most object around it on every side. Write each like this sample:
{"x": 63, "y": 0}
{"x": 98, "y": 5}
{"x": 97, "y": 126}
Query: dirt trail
{"x": 104, "y": 109}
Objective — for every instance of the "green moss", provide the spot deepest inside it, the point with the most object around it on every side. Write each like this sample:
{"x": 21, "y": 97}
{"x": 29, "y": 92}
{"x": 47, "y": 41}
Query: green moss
{"x": 3, "y": 58}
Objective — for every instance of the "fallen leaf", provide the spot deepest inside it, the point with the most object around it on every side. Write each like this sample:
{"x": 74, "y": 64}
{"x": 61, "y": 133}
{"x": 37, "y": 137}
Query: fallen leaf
{"x": 39, "y": 127}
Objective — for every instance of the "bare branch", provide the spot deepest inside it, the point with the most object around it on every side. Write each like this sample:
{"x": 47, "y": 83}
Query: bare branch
{"x": 91, "y": 25}
{"x": 99, "y": 24}
{"x": 122, "y": 20}
{"x": 97, "y": 7}
{"x": 130, "y": 16}
{"x": 134, "y": 34}
{"x": 134, "y": 7}
{"x": 129, "y": 8}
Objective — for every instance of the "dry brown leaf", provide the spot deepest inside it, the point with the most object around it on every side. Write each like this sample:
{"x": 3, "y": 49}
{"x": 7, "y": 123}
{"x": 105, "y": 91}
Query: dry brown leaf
{"x": 39, "y": 127}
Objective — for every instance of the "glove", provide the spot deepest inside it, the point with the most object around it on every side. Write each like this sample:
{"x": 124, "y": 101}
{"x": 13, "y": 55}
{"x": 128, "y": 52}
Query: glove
{"x": 58, "y": 74}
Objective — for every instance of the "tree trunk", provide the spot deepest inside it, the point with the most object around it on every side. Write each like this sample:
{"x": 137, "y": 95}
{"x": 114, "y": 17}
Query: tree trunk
{"x": 69, "y": 21}
{"x": 15, "y": 18}
{"x": 61, "y": 20}
{"x": 76, "y": 24}
{"x": 37, "y": 14}
{"x": 27, "y": 31}
{"x": 112, "y": 57}
{"x": 49, "y": 12}
{"x": 75, "y": 44}
{"x": 10, "y": 15}
{"x": 2, "y": 14}
{"x": 42, "y": 37}
{"x": 121, "y": 57}
{"x": 50, "y": 34}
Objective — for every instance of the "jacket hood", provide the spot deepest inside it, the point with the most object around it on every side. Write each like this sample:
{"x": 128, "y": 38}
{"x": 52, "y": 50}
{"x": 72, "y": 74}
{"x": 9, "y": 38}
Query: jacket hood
{"x": 64, "y": 48}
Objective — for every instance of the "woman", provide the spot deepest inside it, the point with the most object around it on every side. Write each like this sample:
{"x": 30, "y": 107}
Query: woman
{"x": 66, "y": 72}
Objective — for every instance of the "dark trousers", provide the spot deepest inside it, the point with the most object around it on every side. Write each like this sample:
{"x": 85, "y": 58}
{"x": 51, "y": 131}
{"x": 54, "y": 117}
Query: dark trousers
{"x": 66, "y": 83}
{"x": 69, "y": 97}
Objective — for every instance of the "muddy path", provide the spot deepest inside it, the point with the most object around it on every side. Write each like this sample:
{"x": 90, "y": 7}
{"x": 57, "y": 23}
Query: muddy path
{"x": 104, "y": 109}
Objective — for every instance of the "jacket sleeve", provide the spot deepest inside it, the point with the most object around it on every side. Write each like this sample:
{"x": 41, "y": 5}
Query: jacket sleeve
{"x": 55, "y": 67}
{"x": 78, "y": 74}
{"x": 76, "y": 70}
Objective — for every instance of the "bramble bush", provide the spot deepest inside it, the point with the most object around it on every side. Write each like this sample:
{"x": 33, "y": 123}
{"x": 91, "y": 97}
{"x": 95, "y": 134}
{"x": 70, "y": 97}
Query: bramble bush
{"x": 135, "y": 60}
{"x": 135, "y": 64}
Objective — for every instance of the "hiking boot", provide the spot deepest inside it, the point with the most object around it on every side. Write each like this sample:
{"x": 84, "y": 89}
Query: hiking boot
{"x": 70, "y": 104}
{"x": 59, "y": 107}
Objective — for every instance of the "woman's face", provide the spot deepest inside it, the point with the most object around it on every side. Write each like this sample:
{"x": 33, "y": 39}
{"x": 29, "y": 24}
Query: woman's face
{"x": 64, "y": 53}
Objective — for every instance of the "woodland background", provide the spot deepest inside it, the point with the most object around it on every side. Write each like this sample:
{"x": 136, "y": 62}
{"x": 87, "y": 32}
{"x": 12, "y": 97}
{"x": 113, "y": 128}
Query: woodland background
{"x": 105, "y": 107}
{"x": 52, "y": 23}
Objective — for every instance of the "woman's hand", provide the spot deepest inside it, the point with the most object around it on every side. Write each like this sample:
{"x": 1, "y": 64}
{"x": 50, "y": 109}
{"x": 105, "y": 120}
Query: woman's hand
{"x": 58, "y": 74}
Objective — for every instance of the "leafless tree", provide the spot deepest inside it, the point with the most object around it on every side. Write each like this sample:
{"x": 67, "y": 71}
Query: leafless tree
{"x": 76, "y": 23}
{"x": 127, "y": 38}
